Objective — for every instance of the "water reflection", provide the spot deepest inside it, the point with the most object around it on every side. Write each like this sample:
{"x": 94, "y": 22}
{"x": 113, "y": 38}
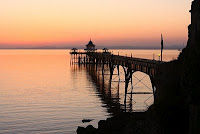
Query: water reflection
{"x": 109, "y": 99}
{"x": 112, "y": 92}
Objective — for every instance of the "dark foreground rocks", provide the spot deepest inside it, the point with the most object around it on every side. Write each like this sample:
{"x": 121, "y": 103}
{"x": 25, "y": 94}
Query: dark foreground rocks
{"x": 124, "y": 124}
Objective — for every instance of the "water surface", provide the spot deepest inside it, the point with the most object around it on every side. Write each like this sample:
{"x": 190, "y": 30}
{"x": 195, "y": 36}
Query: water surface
{"x": 40, "y": 92}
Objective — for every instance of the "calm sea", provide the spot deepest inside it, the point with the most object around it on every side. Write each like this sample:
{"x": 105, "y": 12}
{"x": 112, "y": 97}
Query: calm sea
{"x": 41, "y": 92}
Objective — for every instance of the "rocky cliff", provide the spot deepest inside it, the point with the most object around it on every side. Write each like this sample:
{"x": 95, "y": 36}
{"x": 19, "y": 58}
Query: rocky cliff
{"x": 177, "y": 100}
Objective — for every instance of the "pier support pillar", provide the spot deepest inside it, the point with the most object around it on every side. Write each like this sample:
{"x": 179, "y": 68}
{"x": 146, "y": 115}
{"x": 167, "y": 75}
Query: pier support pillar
{"x": 97, "y": 64}
{"x": 128, "y": 74}
{"x": 118, "y": 72}
{"x": 131, "y": 85}
{"x": 111, "y": 72}
{"x": 153, "y": 86}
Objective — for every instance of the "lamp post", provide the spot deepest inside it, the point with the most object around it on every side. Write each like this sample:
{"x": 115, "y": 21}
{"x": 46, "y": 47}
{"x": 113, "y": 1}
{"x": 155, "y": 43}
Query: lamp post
{"x": 161, "y": 46}
{"x": 153, "y": 56}
{"x": 159, "y": 57}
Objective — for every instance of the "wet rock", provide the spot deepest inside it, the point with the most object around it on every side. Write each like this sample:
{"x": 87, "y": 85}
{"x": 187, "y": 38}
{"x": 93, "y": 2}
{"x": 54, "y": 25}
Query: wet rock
{"x": 87, "y": 120}
{"x": 88, "y": 130}
{"x": 81, "y": 130}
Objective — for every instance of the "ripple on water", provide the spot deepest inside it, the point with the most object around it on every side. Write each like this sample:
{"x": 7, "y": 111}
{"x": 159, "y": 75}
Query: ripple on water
{"x": 41, "y": 93}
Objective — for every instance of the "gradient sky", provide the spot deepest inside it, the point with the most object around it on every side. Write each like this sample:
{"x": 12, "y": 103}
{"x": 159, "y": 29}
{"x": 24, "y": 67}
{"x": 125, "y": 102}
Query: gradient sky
{"x": 108, "y": 22}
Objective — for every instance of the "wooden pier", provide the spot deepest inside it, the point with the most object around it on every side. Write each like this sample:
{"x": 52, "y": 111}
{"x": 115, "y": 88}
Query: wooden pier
{"x": 129, "y": 65}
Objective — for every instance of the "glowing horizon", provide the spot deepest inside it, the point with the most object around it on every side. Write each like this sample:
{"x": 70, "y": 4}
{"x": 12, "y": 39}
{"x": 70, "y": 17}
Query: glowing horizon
{"x": 63, "y": 22}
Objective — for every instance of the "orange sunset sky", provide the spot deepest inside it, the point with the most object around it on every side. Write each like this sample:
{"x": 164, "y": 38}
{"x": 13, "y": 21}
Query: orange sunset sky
{"x": 36, "y": 23}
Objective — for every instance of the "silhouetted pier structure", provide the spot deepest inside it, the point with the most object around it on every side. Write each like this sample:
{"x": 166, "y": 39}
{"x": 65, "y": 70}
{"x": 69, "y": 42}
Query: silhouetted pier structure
{"x": 130, "y": 65}
{"x": 98, "y": 60}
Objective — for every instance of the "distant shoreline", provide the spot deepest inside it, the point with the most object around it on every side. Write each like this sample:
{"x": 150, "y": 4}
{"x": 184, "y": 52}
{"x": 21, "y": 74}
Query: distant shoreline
{"x": 97, "y": 48}
{"x": 172, "y": 47}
